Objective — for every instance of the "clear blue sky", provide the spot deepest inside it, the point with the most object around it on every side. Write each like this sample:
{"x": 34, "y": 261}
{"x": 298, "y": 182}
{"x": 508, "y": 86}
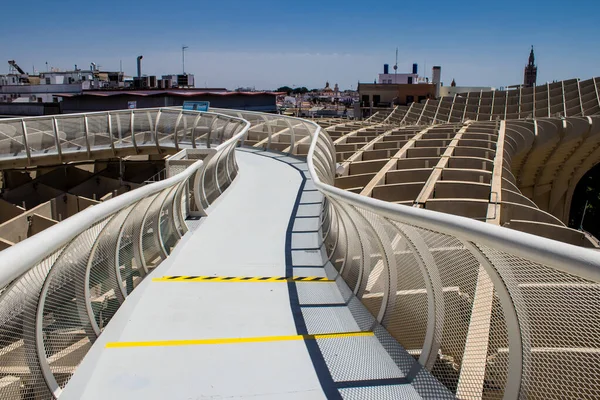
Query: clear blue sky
{"x": 306, "y": 42}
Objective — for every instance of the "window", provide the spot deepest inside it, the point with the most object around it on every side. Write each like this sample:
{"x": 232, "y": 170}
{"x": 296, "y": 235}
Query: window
{"x": 47, "y": 81}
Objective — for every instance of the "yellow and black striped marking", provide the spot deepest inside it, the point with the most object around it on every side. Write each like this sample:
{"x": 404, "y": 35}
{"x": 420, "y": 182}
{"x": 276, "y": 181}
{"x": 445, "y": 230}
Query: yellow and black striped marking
{"x": 242, "y": 279}
{"x": 260, "y": 339}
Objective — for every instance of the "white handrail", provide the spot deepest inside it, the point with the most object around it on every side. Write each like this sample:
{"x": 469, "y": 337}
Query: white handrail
{"x": 17, "y": 259}
{"x": 568, "y": 258}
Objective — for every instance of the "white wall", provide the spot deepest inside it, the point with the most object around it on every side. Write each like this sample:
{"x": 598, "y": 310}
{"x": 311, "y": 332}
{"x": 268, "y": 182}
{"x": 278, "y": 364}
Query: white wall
{"x": 451, "y": 91}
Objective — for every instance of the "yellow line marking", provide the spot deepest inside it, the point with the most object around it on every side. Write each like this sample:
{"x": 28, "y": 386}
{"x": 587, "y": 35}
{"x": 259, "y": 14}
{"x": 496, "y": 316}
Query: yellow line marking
{"x": 242, "y": 279}
{"x": 166, "y": 343}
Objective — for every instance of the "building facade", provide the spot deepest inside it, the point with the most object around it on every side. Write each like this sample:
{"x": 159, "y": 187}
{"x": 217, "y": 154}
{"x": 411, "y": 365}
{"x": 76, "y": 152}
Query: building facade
{"x": 386, "y": 95}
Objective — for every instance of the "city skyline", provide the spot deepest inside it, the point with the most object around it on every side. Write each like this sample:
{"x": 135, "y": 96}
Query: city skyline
{"x": 267, "y": 45}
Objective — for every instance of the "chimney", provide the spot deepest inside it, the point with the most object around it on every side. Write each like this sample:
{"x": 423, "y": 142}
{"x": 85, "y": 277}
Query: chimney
{"x": 386, "y": 68}
{"x": 139, "y": 66}
{"x": 415, "y": 68}
{"x": 436, "y": 79}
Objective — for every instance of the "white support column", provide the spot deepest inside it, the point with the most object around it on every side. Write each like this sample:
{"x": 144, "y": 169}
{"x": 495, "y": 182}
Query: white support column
{"x": 472, "y": 377}
{"x": 493, "y": 212}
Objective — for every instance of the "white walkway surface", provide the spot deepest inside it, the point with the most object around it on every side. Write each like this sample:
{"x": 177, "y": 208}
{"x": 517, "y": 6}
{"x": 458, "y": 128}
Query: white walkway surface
{"x": 244, "y": 235}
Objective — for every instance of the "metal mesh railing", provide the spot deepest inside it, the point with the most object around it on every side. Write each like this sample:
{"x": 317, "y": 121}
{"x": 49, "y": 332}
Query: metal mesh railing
{"x": 60, "y": 288}
{"x": 491, "y": 312}
{"x": 61, "y": 138}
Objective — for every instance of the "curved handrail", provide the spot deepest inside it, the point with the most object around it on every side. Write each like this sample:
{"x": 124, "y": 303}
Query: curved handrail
{"x": 18, "y": 258}
{"x": 478, "y": 283}
{"x": 94, "y": 258}
{"x": 508, "y": 261}
{"x": 568, "y": 258}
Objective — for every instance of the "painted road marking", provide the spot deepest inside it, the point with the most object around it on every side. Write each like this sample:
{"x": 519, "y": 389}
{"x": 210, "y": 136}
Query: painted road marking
{"x": 261, "y": 339}
{"x": 242, "y": 279}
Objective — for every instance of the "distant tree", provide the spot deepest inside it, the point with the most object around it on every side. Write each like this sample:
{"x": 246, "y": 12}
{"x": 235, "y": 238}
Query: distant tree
{"x": 285, "y": 89}
{"x": 314, "y": 90}
{"x": 300, "y": 90}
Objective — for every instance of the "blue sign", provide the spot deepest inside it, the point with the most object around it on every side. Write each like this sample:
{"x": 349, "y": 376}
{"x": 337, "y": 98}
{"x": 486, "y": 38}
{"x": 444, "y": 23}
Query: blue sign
{"x": 196, "y": 105}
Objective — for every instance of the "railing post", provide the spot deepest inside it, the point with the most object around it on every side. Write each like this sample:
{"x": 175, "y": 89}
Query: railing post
{"x": 110, "y": 133}
{"x": 25, "y": 142}
{"x": 292, "y": 135}
{"x": 141, "y": 229}
{"x": 175, "y": 130}
{"x": 199, "y": 192}
{"x": 196, "y": 122}
{"x": 212, "y": 124}
{"x": 156, "y": 223}
{"x": 56, "y": 138}
{"x": 132, "y": 128}
{"x": 435, "y": 296}
{"x": 475, "y": 355}
{"x": 269, "y": 131}
{"x": 169, "y": 204}
{"x": 156, "y": 129}
{"x": 86, "y": 131}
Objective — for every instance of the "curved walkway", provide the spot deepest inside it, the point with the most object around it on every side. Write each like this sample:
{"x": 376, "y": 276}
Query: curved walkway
{"x": 223, "y": 316}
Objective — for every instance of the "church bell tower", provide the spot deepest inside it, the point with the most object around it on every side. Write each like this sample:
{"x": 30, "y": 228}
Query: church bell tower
{"x": 530, "y": 71}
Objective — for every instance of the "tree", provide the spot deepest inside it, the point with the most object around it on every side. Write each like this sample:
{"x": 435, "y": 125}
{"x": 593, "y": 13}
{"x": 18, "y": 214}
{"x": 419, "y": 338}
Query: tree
{"x": 285, "y": 89}
{"x": 300, "y": 90}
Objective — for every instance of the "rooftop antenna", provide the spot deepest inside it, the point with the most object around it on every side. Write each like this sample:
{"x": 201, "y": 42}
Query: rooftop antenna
{"x": 183, "y": 57}
{"x": 396, "y": 67}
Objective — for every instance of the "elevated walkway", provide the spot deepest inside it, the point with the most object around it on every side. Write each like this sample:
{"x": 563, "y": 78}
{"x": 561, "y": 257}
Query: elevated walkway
{"x": 207, "y": 323}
